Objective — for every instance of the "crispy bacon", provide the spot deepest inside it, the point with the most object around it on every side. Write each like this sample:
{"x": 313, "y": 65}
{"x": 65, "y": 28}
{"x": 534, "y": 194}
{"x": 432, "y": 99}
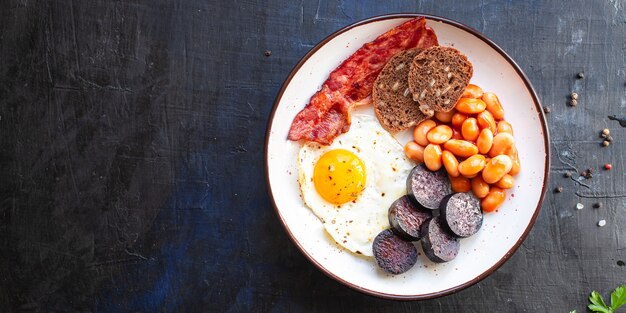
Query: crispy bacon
{"x": 328, "y": 113}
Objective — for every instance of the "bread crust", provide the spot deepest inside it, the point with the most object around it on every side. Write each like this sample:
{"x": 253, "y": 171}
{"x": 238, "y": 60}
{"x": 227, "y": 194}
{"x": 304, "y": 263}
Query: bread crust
{"x": 393, "y": 101}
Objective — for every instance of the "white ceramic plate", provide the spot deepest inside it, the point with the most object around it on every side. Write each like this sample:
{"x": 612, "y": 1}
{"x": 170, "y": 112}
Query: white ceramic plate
{"x": 501, "y": 233}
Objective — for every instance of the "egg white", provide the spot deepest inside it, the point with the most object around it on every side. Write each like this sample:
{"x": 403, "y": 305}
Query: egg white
{"x": 354, "y": 225}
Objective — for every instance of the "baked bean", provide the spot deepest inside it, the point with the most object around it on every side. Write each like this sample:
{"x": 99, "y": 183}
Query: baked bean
{"x": 414, "y": 151}
{"x": 506, "y": 182}
{"x": 456, "y": 134}
{"x": 484, "y": 141}
{"x": 420, "y": 131}
{"x": 450, "y": 163}
{"x": 485, "y": 120}
{"x": 496, "y": 168}
{"x": 511, "y": 151}
{"x": 472, "y": 91}
{"x": 470, "y": 129}
{"x": 445, "y": 117}
{"x": 472, "y": 165}
{"x": 460, "y": 184}
{"x": 493, "y": 200}
{"x": 501, "y": 143}
{"x": 504, "y": 127}
{"x": 458, "y": 119}
{"x": 439, "y": 134}
{"x": 516, "y": 167}
{"x": 460, "y": 148}
{"x": 432, "y": 157}
{"x": 493, "y": 105}
{"x": 479, "y": 187}
{"x": 470, "y": 106}
{"x": 516, "y": 163}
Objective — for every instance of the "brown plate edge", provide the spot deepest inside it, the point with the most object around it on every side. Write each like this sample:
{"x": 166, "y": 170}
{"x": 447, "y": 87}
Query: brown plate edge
{"x": 538, "y": 107}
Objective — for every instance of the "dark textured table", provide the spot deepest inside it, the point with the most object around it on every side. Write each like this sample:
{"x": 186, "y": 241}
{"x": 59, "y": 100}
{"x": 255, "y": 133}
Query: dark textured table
{"x": 131, "y": 153}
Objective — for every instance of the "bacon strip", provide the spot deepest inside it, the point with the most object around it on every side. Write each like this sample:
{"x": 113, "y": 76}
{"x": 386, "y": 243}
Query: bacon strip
{"x": 328, "y": 113}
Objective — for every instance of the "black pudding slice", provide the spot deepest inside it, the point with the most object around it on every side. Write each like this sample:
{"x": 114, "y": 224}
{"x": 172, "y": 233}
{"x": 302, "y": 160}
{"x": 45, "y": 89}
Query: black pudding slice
{"x": 439, "y": 246}
{"x": 461, "y": 214}
{"x": 393, "y": 254}
{"x": 427, "y": 188}
{"x": 406, "y": 218}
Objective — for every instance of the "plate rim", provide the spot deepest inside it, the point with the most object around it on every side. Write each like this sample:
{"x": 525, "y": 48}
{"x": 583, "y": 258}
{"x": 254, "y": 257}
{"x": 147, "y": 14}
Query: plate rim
{"x": 542, "y": 120}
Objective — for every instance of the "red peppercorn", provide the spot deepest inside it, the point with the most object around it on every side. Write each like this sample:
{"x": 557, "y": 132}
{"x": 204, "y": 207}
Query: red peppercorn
{"x": 608, "y": 166}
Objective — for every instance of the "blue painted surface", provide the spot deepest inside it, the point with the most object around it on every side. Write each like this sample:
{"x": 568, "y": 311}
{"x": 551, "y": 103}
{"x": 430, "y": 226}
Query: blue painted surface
{"x": 180, "y": 260}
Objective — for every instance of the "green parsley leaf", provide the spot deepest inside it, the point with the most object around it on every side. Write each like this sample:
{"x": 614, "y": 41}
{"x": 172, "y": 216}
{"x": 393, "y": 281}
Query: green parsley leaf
{"x": 598, "y": 308}
{"x": 618, "y": 297}
{"x": 572, "y": 311}
{"x": 596, "y": 298}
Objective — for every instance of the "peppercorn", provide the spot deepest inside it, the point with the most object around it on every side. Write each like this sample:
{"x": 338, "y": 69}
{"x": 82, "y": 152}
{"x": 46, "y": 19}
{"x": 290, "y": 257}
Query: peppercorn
{"x": 546, "y": 109}
{"x": 580, "y": 75}
{"x": 608, "y": 138}
{"x": 605, "y": 143}
{"x": 597, "y": 205}
{"x": 620, "y": 120}
{"x": 606, "y": 132}
{"x": 267, "y": 53}
{"x": 567, "y": 175}
{"x": 608, "y": 166}
{"x": 573, "y": 103}
{"x": 574, "y": 96}
{"x": 558, "y": 189}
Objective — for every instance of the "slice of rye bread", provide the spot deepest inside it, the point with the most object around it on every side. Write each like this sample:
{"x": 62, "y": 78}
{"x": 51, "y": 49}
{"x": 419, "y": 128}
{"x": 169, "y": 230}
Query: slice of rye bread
{"x": 393, "y": 103}
{"x": 438, "y": 77}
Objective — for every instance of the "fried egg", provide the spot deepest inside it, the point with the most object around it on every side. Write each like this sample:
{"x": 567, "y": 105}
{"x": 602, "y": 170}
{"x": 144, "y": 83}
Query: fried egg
{"x": 350, "y": 184}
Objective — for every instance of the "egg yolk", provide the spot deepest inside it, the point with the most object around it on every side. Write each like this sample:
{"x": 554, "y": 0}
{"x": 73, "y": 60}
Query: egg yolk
{"x": 339, "y": 176}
